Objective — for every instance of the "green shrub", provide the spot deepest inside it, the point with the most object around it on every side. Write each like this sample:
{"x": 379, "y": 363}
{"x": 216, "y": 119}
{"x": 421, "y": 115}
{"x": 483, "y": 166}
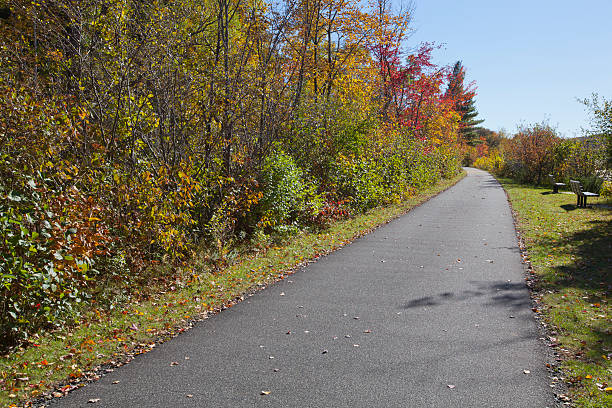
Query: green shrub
{"x": 284, "y": 190}
{"x": 423, "y": 170}
{"x": 606, "y": 189}
{"x": 591, "y": 183}
{"x": 360, "y": 180}
{"x": 40, "y": 277}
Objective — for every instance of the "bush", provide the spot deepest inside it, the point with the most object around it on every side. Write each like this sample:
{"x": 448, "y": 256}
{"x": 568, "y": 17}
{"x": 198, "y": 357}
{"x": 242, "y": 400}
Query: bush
{"x": 530, "y": 154}
{"x": 494, "y": 162}
{"x": 606, "y": 189}
{"x": 43, "y": 266}
{"x": 591, "y": 183}
{"x": 284, "y": 190}
{"x": 360, "y": 180}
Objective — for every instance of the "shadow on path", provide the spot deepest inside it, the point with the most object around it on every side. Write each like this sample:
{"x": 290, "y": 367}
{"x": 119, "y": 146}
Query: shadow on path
{"x": 501, "y": 294}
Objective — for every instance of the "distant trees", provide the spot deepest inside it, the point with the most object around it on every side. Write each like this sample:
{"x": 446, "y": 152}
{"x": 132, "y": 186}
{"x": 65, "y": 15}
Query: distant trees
{"x": 536, "y": 150}
{"x": 492, "y": 138}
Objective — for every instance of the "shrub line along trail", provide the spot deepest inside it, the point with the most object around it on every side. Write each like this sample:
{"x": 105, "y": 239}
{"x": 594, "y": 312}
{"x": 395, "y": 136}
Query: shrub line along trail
{"x": 430, "y": 310}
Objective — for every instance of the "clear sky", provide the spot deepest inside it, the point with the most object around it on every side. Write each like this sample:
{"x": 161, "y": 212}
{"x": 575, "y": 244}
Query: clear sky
{"x": 530, "y": 59}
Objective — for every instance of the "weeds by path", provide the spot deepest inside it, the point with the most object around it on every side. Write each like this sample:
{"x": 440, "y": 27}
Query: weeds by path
{"x": 570, "y": 249}
{"x": 55, "y": 363}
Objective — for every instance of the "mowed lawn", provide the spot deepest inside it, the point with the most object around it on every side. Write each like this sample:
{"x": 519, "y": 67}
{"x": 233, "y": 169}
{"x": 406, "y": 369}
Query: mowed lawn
{"x": 571, "y": 252}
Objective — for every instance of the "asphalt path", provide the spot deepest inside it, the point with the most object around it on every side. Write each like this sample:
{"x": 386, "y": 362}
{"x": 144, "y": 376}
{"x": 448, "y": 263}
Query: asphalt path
{"x": 430, "y": 310}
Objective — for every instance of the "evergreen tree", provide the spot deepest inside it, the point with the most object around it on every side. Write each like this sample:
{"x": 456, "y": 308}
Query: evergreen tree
{"x": 463, "y": 99}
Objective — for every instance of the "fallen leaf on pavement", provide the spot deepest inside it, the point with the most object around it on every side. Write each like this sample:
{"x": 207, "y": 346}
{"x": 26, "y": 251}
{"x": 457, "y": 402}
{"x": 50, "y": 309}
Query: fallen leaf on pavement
{"x": 451, "y": 386}
{"x": 93, "y": 400}
{"x": 265, "y": 393}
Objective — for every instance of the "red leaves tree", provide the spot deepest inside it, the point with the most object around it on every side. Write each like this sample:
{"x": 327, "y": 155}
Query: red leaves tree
{"x": 530, "y": 153}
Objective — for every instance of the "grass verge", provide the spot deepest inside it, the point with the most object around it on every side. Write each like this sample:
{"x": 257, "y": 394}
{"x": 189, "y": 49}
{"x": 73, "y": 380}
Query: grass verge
{"x": 570, "y": 250}
{"x": 56, "y": 363}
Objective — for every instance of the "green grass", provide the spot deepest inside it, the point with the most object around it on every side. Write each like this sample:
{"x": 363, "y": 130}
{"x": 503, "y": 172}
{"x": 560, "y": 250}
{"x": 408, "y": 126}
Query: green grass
{"x": 66, "y": 359}
{"x": 571, "y": 251}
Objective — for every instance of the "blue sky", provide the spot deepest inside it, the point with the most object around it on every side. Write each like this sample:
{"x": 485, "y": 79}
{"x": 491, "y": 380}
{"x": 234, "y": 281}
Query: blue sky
{"x": 530, "y": 59}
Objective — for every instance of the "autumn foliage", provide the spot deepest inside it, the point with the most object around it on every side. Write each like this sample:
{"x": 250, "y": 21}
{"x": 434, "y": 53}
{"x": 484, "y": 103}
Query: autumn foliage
{"x": 134, "y": 133}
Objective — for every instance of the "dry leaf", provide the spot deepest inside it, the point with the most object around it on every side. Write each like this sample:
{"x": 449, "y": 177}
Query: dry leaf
{"x": 526, "y": 372}
{"x": 451, "y": 386}
{"x": 265, "y": 393}
{"x": 174, "y": 363}
{"x": 93, "y": 400}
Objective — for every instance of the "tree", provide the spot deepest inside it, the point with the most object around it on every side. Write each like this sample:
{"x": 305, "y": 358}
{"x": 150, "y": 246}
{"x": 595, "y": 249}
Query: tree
{"x": 530, "y": 153}
{"x": 490, "y": 137}
{"x": 601, "y": 111}
{"x": 462, "y": 98}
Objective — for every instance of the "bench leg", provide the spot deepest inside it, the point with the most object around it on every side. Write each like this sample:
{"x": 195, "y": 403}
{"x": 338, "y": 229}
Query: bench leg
{"x": 555, "y": 189}
{"x": 578, "y": 201}
{"x": 584, "y": 202}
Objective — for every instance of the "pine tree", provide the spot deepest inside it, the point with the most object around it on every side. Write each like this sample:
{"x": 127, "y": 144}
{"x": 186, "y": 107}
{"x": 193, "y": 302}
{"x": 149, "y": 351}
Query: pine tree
{"x": 464, "y": 104}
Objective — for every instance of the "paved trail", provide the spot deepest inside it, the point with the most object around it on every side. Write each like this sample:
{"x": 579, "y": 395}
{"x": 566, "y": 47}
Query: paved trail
{"x": 428, "y": 311}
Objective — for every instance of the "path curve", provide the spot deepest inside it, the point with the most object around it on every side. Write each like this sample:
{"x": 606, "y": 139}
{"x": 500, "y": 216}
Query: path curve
{"x": 430, "y": 310}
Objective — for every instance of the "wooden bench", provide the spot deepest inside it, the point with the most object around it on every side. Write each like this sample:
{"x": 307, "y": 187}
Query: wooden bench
{"x": 582, "y": 195}
{"x": 555, "y": 185}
